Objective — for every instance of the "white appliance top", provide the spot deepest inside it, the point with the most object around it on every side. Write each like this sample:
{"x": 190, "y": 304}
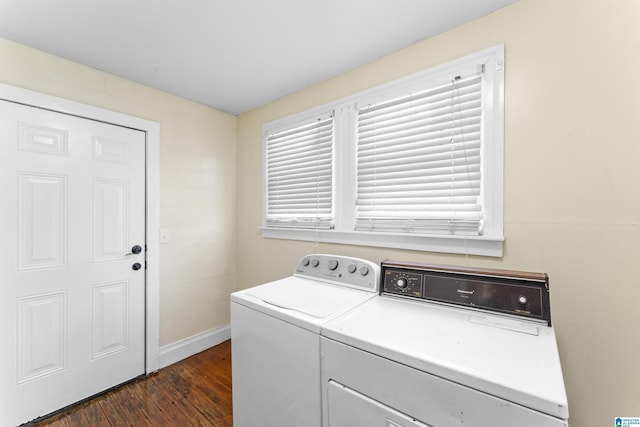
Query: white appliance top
{"x": 513, "y": 358}
{"x": 322, "y": 287}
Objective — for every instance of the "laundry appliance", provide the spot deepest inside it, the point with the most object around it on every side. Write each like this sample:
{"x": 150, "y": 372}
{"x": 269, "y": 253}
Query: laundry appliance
{"x": 275, "y": 338}
{"x": 445, "y": 347}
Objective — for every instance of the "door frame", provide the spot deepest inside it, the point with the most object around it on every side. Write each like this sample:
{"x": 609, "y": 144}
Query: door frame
{"x": 152, "y": 189}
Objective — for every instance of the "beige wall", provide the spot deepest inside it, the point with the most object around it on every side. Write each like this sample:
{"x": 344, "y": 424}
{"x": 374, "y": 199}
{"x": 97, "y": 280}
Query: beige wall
{"x": 572, "y": 179}
{"x": 197, "y": 173}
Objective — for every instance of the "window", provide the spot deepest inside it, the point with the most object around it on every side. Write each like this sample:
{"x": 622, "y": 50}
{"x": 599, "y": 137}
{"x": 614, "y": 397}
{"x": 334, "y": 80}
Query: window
{"x": 299, "y": 174}
{"x": 414, "y": 164}
{"x": 418, "y": 163}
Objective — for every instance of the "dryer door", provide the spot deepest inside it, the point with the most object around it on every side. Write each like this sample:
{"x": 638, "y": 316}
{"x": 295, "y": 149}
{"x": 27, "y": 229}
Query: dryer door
{"x": 348, "y": 408}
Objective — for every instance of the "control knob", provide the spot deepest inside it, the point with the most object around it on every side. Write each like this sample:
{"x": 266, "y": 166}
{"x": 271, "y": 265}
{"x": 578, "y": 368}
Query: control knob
{"x": 364, "y": 270}
{"x": 315, "y": 262}
{"x": 352, "y": 268}
{"x": 402, "y": 283}
{"x": 333, "y": 264}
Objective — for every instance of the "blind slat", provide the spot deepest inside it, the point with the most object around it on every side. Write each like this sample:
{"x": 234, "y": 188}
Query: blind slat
{"x": 426, "y": 129}
{"x": 466, "y": 134}
{"x": 421, "y": 159}
{"x": 410, "y": 177}
{"x": 415, "y": 117}
{"x": 319, "y": 158}
{"x": 434, "y": 94}
{"x": 302, "y": 144}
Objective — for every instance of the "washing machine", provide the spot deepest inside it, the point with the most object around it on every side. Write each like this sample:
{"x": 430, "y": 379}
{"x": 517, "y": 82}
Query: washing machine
{"x": 445, "y": 346}
{"x": 275, "y": 338}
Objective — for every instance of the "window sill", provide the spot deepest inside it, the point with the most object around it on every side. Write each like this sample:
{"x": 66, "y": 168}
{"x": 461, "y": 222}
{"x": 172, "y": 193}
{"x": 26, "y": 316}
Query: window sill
{"x": 471, "y": 245}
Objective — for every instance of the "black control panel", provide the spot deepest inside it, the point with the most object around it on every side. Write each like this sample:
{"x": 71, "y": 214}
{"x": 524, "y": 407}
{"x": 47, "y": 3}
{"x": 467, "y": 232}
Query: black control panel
{"x": 510, "y": 292}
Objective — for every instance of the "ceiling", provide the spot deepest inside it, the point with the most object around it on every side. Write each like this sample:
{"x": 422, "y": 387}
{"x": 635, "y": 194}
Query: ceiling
{"x": 233, "y": 55}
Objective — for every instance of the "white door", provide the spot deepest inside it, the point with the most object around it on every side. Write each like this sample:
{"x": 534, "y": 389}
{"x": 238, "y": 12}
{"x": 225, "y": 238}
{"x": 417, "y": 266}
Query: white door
{"x": 72, "y": 304}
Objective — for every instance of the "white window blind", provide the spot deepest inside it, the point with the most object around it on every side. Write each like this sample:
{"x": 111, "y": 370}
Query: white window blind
{"x": 299, "y": 175}
{"x": 415, "y": 163}
{"x": 419, "y": 161}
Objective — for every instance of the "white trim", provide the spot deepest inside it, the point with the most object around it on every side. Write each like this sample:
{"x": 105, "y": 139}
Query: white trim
{"x": 179, "y": 350}
{"x": 153, "y": 248}
{"x": 152, "y": 130}
{"x": 453, "y": 244}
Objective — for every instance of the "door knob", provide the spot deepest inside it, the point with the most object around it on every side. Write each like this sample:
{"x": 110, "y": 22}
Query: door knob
{"x": 137, "y": 266}
{"x": 135, "y": 250}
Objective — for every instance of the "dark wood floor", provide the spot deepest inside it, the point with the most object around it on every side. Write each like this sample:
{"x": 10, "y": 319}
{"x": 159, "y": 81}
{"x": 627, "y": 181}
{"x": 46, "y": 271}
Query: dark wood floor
{"x": 192, "y": 392}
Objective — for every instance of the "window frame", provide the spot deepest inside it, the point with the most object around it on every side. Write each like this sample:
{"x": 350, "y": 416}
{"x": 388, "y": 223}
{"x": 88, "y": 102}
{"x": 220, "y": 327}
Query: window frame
{"x": 489, "y": 243}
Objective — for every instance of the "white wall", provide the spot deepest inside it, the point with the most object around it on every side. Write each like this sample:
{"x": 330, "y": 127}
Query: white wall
{"x": 197, "y": 174}
{"x": 572, "y": 179}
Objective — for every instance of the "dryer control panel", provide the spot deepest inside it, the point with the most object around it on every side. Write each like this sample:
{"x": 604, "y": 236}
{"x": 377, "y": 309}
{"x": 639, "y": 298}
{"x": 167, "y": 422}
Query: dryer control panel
{"x": 340, "y": 270}
{"x": 510, "y": 292}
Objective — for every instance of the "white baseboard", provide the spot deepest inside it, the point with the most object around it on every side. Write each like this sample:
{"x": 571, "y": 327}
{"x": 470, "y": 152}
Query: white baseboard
{"x": 175, "y": 352}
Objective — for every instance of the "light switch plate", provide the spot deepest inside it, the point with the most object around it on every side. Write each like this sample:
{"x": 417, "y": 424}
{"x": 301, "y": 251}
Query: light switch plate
{"x": 165, "y": 236}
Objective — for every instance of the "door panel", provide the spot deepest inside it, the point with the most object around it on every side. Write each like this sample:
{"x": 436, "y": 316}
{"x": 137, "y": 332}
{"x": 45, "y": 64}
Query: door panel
{"x": 43, "y": 140}
{"x": 42, "y": 219}
{"x": 109, "y": 214}
{"x": 109, "y": 319}
{"x": 42, "y": 336}
{"x": 72, "y": 309}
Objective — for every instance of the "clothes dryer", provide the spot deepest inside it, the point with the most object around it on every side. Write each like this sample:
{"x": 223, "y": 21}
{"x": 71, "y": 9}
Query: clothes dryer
{"x": 445, "y": 347}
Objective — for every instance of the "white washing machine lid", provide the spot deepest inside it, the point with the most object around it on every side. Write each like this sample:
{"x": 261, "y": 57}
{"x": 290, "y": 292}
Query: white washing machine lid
{"x": 515, "y": 360}
{"x": 304, "y": 302}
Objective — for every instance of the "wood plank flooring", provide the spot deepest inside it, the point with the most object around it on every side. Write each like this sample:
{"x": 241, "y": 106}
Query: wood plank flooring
{"x": 193, "y": 392}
